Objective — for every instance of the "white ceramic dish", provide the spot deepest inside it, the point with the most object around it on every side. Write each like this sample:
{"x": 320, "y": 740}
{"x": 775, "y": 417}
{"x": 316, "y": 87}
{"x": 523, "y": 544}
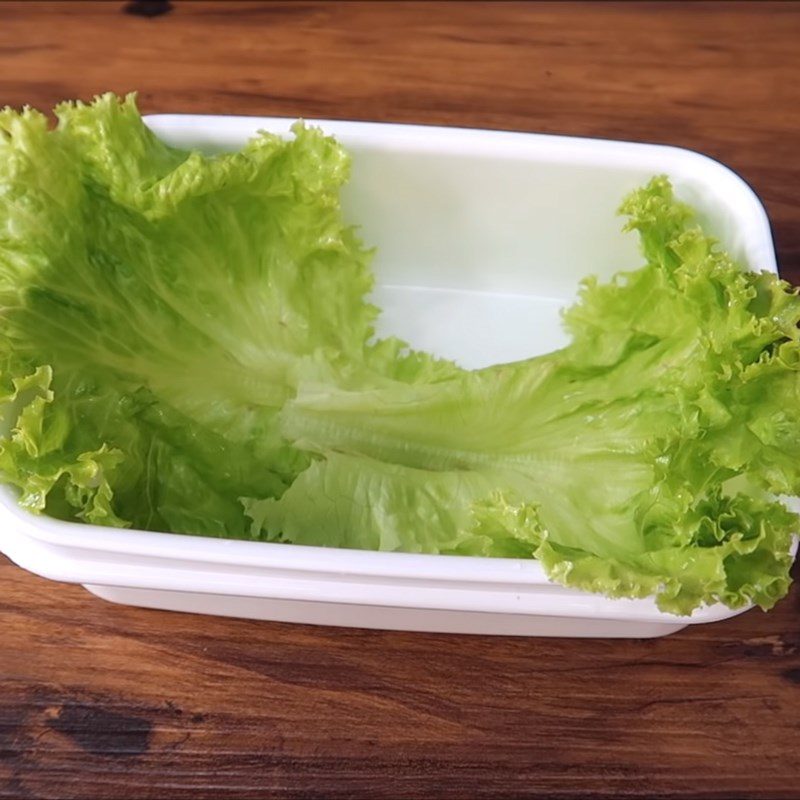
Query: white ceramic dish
{"x": 482, "y": 237}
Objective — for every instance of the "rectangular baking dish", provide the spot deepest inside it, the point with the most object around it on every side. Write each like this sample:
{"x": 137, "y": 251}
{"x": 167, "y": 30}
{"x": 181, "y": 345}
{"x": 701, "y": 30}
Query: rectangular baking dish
{"x": 482, "y": 237}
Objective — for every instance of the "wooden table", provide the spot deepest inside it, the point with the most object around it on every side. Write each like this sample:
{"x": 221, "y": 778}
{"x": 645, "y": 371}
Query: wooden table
{"x": 98, "y": 701}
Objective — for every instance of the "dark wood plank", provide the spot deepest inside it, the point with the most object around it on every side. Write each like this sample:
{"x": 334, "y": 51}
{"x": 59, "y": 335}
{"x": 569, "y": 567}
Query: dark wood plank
{"x": 97, "y": 699}
{"x": 100, "y": 701}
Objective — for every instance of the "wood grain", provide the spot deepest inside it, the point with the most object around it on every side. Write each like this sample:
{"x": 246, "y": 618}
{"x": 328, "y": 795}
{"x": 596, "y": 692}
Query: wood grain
{"x": 100, "y": 701}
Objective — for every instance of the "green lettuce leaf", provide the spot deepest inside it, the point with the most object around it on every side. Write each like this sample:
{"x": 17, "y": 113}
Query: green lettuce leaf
{"x": 645, "y": 451}
{"x": 163, "y": 302}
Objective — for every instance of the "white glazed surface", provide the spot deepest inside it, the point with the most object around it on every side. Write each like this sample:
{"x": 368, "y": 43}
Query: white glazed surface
{"x": 482, "y": 238}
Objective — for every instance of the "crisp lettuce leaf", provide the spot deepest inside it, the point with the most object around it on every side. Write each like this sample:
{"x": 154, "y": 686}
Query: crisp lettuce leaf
{"x": 163, "y": 301}
{"x": 680, "y": 380}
